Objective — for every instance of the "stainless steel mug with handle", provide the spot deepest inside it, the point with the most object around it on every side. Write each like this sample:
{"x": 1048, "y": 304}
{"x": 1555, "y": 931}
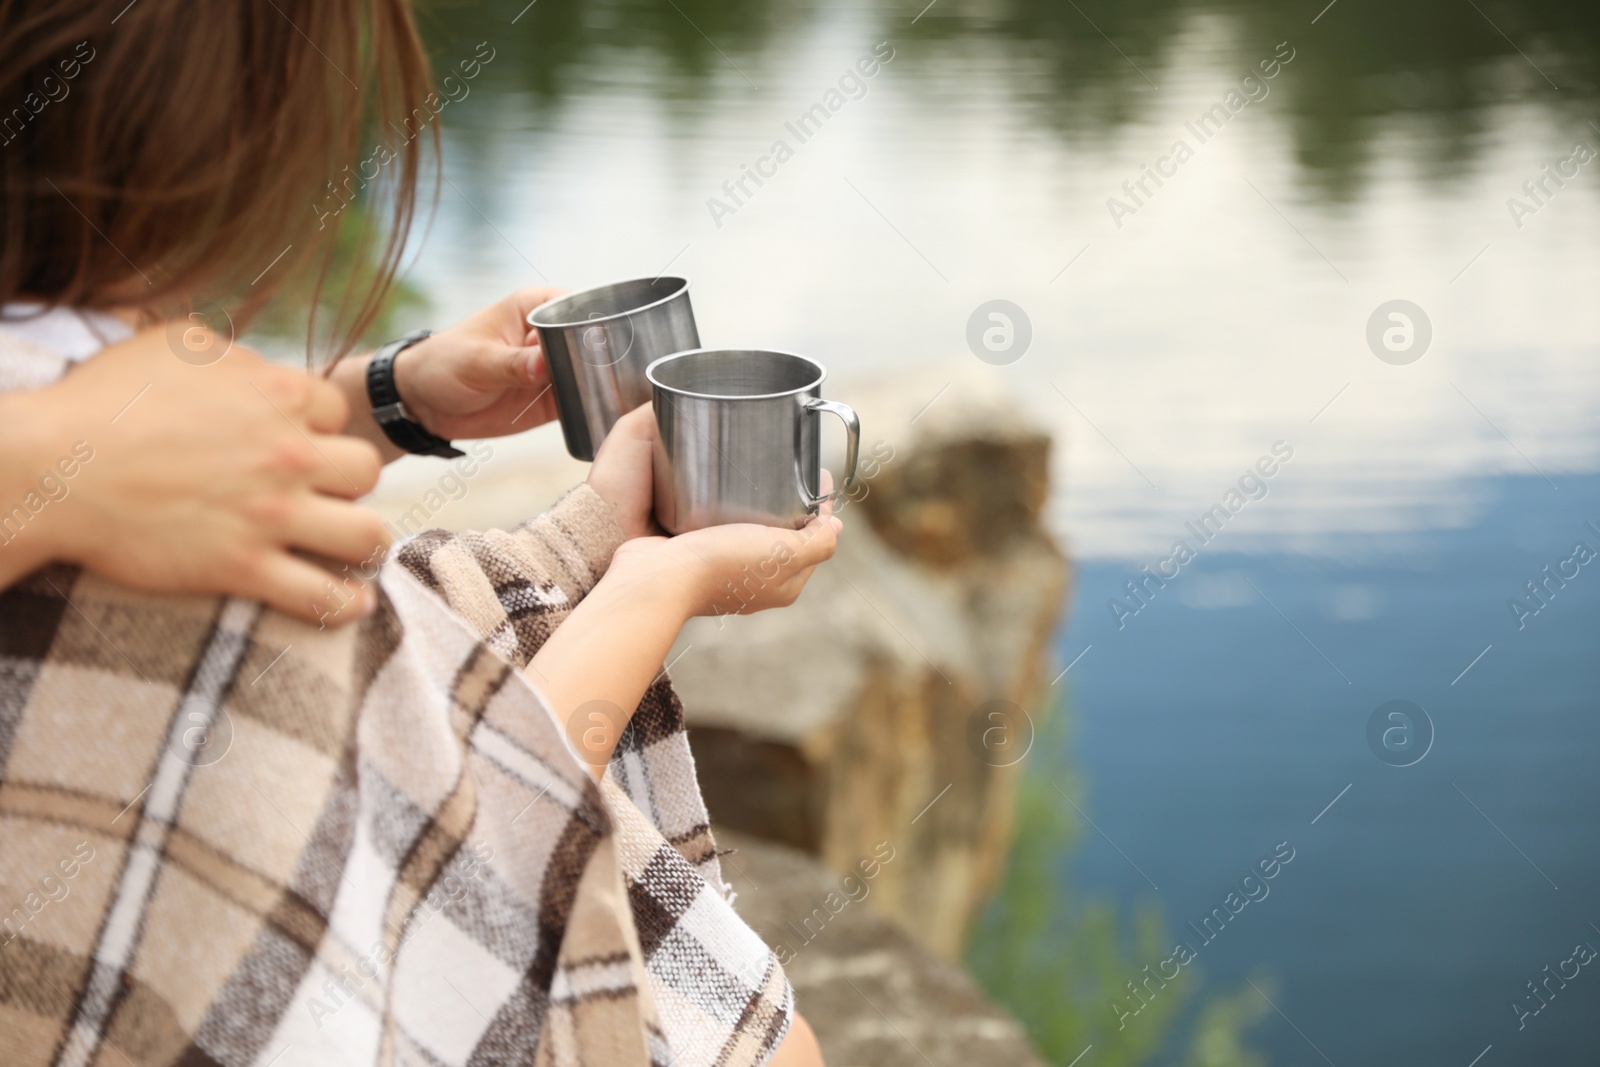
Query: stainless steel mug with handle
{"x": 740, "y": 438}
{"x": 597, "y": 344}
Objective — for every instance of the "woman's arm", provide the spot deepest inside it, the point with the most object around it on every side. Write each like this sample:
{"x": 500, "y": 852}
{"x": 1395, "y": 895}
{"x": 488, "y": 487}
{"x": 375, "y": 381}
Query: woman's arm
{"x": 602, "y": 658}
{"x": 597, "y": 664}
{"x": 594, "y": 669}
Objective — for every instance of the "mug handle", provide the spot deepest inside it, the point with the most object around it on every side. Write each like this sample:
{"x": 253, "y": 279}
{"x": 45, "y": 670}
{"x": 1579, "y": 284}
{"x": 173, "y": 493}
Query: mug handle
{"x": 852, "y": 451}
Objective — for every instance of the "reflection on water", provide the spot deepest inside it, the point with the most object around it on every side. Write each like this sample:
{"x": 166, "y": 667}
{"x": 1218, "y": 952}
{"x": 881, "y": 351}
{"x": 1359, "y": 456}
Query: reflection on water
{"x": 1438, "y": 64}
{"x": 1084, "y": 70}
{"x": 1172, "y": 347}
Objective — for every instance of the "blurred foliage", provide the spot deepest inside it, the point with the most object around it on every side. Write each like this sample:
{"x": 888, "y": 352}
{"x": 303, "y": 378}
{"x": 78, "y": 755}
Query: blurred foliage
{"x": 1427, "y": 72}
{"x": 1216, "y": 1041}
{"x": 287, "y": 321}
{"x": 1060, "y": 968}
{"x": 680, "y": 49}
{"x": 1060, "y": 963}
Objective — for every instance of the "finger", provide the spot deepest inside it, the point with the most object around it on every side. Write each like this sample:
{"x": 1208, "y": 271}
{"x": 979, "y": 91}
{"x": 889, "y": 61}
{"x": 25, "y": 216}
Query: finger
{"x": 521, "y": 409}
{"x": 634, "y": 431}
{"x": 525, "y": 300}
{"x": 307, "y": 401}
{"x": 507, "y": 319}
{"x": 513, "y": 412}
{"x": 340, "y": 531}
{"x": 787, "y": 590}
{"x": 308, "y": 592}
{"x": 346, "y": 467}
{"x": 327, "y": 410}
{"x": 496, "y": 366}
{"x": 638, "y": 424}
{"x": 539, "y": 372}
{"x": 537, "y": 410}
{"x": 793, "y": 586}
{"x": 825, "y": 486}
{"x": 818, "y": 540}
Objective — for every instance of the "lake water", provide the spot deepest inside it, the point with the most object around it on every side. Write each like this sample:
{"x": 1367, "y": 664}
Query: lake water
{"x": 1178, "y": 335}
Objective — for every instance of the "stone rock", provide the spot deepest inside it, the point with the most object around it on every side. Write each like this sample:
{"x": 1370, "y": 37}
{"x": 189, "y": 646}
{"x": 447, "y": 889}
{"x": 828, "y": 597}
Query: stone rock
{"x": 872, "y": 992}
{"x": 970, "y": 480}
{"x": 891, "y": 703}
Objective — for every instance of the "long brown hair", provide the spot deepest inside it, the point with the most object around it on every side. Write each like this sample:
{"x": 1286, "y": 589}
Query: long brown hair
{"x": 162, "y": 152}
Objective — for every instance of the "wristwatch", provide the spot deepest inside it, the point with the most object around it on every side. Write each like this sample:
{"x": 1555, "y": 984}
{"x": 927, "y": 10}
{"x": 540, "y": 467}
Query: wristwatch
{"x": 390, "y": 412}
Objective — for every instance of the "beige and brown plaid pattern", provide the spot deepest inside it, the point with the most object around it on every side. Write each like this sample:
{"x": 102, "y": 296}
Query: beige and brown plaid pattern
{"x": 397, "y": 857}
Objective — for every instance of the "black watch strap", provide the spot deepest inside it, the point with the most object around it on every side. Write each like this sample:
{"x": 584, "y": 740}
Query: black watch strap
{"x": 390, "y": 412}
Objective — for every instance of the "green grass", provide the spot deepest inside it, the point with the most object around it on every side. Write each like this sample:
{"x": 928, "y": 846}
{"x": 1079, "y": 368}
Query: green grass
{"x": 1060, "y": 963}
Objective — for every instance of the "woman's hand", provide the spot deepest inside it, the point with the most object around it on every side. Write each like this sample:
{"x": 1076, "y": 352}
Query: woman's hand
{"x": 483, "y": 377}
{"x": 733, "y": 569}
{"x": 201, "y": 478}
{"x": 739, "y": 567}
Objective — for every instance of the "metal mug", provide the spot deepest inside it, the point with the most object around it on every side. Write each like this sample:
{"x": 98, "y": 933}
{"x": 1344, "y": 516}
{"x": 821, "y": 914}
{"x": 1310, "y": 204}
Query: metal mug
{"x": 597, "y": 344}
{"x": 739, "y": 438}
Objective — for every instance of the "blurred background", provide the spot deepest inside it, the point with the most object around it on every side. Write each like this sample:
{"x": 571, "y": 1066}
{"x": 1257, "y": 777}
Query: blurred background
{"x": 1164, "y": 348}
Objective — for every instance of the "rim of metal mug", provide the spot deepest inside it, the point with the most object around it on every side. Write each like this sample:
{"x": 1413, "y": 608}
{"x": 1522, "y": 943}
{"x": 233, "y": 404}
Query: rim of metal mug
{"x": 650, "y": 374}
{"x": 682, "y": 287}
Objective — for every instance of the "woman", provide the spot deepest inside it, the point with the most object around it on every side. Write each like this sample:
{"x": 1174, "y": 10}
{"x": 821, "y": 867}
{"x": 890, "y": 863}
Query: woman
{"x": 464, "y": 829}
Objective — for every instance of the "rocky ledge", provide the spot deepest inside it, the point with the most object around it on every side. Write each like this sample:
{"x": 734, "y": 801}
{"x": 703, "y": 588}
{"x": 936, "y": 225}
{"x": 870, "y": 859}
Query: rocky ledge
{"x": 893, "y": 703}
{"x": 871, "y": 991}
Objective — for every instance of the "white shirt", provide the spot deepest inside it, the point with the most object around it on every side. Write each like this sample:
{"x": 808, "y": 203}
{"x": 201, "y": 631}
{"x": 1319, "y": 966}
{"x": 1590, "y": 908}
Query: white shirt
{"x": 40, "y": 348}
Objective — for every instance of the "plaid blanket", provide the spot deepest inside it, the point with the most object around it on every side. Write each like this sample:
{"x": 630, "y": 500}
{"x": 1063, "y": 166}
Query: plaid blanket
{"x": 229, "y": 837}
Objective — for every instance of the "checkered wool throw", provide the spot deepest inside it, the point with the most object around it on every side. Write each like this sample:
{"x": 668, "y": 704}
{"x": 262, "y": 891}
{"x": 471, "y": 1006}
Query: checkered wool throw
{"x": 384, "y": 851}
